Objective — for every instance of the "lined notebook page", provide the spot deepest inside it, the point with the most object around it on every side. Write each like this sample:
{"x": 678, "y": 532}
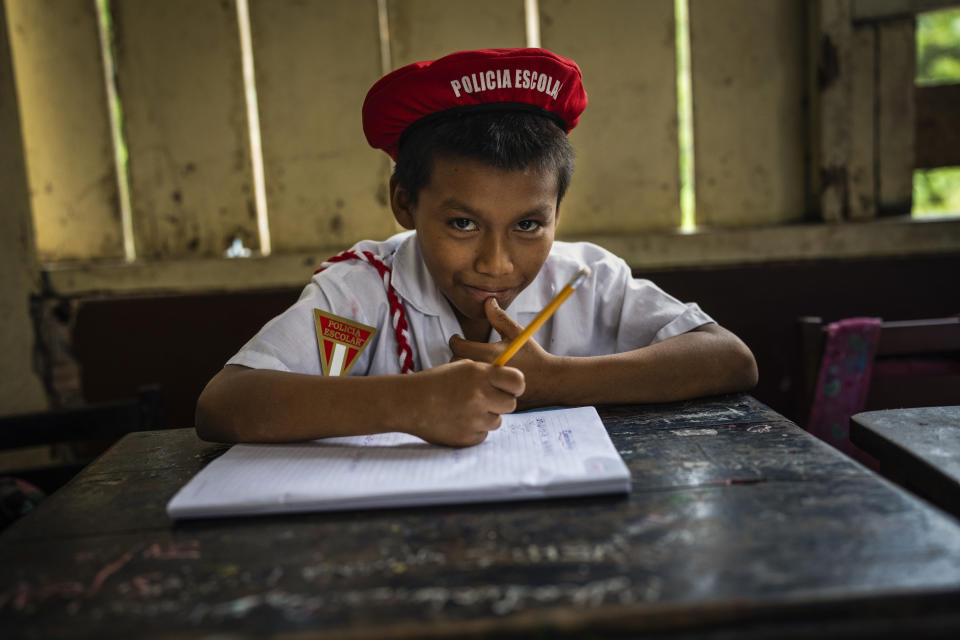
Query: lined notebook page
{"x": 537, "y": 454}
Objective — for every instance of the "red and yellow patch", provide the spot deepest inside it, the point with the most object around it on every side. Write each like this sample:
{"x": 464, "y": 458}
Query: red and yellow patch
{"x": 340, "y": 341}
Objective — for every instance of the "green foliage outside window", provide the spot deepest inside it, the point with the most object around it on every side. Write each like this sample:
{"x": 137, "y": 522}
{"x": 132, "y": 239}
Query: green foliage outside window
{"x": 936, "y": 192}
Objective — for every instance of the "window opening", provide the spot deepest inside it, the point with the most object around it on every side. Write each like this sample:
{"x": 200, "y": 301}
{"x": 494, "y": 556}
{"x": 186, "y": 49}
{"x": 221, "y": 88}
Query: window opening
{"x": 688, "y": 221}
{"x": 115, "y": 109}
{"x": 253, "y": 124}
{"x": 531, "y": 12}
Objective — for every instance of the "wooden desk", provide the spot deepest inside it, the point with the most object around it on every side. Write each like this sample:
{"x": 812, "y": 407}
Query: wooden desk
{"x": 739, "y": 525}
{"x": 921, "y": 445}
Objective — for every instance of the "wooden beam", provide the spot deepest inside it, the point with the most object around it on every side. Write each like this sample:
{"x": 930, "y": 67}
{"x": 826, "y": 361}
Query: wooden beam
{"x": 896, "y": 113}
{"x": 905, "y": 337}
{"x": 325, "y": 185}
{"x": 938, "y": 126}
{"x": 862, "y": 173}
{"x": 427, "y": 29}
{"x": 180, "y": 81}
{"x": 627, "y": 178}
{"x": 748, "y": 68}
{"x": 831, "y": 103}
{"x": 890, "y": 237}
{"x": 873, "y": 10}
{"x": 22, "y": 389}
{"x": 66, "y": 129}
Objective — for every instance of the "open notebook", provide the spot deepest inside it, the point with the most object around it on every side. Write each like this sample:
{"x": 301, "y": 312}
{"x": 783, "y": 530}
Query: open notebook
{"x": 541, "y": 454}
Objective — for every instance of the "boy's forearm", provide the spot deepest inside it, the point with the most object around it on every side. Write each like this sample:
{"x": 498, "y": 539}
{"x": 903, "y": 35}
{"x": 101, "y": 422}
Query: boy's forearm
{"x": 256, "y": 405}
{"x": 697, "y": 363}
{"x": 455, "y": 404}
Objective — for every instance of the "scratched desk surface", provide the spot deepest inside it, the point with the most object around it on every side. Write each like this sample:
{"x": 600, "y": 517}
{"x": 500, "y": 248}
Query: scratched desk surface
{"x": 922, "y": 443}
{"x": 739, "y": 524}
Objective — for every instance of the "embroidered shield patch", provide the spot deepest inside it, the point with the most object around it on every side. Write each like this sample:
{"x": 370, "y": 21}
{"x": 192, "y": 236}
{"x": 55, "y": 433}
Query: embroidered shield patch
{"x": 341, "y": 341}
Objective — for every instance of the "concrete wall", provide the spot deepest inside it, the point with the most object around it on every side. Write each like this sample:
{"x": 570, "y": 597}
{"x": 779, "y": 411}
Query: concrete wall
{"x": 20, "y": 387}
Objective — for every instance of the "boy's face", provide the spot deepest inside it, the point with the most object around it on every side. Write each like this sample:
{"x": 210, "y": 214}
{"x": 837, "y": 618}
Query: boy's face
{"x": 484, "y": 232}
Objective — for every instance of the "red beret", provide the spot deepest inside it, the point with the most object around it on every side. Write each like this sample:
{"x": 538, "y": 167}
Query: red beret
{"x": 485, "y": 79}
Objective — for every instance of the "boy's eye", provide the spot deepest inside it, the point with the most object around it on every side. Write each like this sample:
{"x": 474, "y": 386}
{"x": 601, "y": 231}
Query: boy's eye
{"x": 528, "y": 225}
{"x": 463, "y": 224}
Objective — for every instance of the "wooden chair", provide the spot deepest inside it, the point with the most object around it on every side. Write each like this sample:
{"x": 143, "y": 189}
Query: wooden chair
{"x": 917, "y": 364}
{"x": 88, "y": 431}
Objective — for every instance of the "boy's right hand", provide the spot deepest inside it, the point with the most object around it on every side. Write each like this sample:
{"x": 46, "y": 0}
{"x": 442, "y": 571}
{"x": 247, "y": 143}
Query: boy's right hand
{"x": 460, "y": 402}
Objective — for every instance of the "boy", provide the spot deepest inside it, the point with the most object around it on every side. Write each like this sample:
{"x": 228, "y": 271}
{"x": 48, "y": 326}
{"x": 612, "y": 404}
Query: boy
{"x": 479, "y": 138}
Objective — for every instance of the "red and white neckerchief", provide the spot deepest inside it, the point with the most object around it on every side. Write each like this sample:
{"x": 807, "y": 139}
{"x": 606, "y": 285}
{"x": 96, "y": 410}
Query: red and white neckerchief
{"x": 397, "y": 313}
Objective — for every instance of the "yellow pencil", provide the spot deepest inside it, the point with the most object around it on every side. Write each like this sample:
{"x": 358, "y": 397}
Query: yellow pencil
{"x": 543, "y": 316}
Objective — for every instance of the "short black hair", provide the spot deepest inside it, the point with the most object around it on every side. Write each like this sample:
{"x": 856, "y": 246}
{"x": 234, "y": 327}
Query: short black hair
{"x": 509, "y": 140}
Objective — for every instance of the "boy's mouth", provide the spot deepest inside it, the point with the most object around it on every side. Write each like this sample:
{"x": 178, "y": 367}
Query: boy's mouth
{"x": 504, "y": 296}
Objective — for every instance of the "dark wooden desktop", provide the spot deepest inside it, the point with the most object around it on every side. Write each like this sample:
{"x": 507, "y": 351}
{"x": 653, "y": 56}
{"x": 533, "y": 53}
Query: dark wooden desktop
{"x": 921, "y": 447}
{"x": 739, "y": 525}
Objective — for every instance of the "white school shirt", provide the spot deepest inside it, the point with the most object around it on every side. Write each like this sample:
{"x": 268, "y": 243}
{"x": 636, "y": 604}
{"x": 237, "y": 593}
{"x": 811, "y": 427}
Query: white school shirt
{"x": 610, "y": 312}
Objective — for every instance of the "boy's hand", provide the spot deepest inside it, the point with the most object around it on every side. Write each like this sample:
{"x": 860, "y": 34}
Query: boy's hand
{"x": 535, "y": 363}
{"x": 463, "y": 401}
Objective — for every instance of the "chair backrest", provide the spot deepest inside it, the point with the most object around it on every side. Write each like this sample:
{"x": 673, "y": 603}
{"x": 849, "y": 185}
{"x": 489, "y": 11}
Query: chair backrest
{"x": 93, "y": 422}
{"x": 77, "y": 436}
{"x": 916, "y": 364}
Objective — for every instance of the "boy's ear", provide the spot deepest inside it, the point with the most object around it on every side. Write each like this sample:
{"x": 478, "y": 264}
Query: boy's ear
{"x": 400, "y": 204}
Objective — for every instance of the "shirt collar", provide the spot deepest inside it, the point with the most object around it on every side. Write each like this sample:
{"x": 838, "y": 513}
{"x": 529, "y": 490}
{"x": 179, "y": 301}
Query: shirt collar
{"x": 413, "y": 283}
{"x": 412, "y": 280}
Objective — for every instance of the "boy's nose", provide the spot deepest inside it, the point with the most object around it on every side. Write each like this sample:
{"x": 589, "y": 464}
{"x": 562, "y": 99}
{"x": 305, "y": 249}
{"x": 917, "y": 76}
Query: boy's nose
{"x": 494, "y": 258}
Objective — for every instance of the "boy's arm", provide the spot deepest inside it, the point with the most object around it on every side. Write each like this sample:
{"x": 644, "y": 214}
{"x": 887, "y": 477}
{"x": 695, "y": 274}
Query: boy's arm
{"x": 455, "y": 404}
{"x": 705, "y": 361}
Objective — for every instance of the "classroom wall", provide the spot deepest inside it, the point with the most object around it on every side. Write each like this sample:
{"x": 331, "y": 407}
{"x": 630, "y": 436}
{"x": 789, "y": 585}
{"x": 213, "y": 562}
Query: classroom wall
{"x": 784, "y": 133}
{"x": 767, "y": 128}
